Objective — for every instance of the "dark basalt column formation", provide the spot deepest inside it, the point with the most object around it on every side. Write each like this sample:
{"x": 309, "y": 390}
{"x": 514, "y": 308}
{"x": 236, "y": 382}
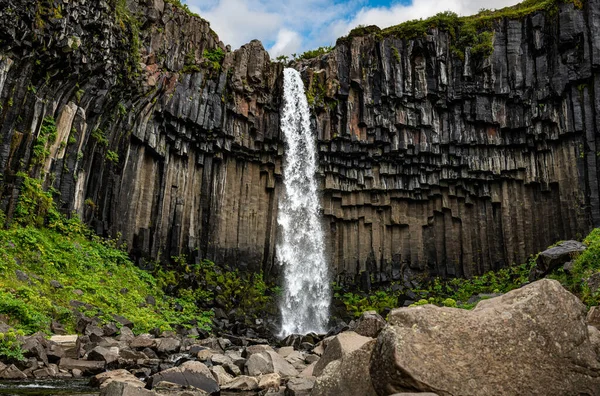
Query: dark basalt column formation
{"x": 428, "y": 163}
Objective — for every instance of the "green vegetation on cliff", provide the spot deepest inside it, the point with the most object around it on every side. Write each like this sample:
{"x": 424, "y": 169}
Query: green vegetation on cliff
{"x": 475, "y": 31}
{"x": 49, "y": 264}
{"x": 465, "y": 293}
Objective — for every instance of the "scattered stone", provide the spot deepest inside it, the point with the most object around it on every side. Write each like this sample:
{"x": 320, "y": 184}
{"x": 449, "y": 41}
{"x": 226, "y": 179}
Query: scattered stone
{"x": 339, "y": 346}
{"x": 58, "y": 328}
{"x": 370, "y": 324}
{"x": 593, "y": 283}
{"x": 66, "y": 341}
{"x": 56, "y": 284}
{"x": 191, "y": 373}
{"x": 104, "y": 379}
{"x": 242, "y": 384}
{"x": 251, "y": 350}
{"x": 555, "y": 257}
{"x": 300, "y": 386}
{"x": 125, "y": 389}
{"x": 12, "y": 373}
{"x": 126, "y": 334}
{"x": 110, "y": 329}
{"x": 150, "y": 300}
{"x": 123, "y": 321}
{"x": 55, "y": 352}
{"x": 221, "y": 376}
{"x": 285, "y": 351}
{"x": 78, "y": 292}
{"x": 205, "y": 354}
{"x": 22, "y": 276}
{"x": 108, "y": 355}
{"x": 88, "y": 367}
{"x": 269, "y": 381}
{"x": 533, "y": 338}
{"x": 348, "y": 376}
{"x": 168, "y": 345}
{"x": 143, "y": 341}
{"x": 593, "y": 317}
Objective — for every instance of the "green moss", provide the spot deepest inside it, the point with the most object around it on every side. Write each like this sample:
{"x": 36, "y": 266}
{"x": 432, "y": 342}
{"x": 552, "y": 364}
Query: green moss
{"x": 100, "y": 137}
{"x": 214, "y": 58}
{"x": 47, "y": 135}
{"x": 112, "y": 157}
{"x": 190, "y": 65}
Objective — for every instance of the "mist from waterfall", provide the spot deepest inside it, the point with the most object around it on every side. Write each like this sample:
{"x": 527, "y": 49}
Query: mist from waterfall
{"x": 301, "y": 249}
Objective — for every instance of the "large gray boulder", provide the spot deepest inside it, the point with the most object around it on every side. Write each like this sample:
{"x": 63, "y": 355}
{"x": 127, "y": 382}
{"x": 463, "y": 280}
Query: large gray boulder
{"x": 531, "y": 341}
{"x": 269, "y": 362}
{"x": 370, "y": 324}
{"x": 348, "y": 376}
{"x": 192, "y": 373}
{"x": 339, "y": 346}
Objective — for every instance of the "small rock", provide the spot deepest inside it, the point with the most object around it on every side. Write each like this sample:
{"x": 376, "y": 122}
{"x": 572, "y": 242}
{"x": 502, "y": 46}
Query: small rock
{"x": 108, "y": 355}
{"x": 12, "y": 373}
{"x": 242, "y": 383}
{"x": 110, "y": 329}
{"x": 123, "y": 321}
{"x": 269, "y": 381}
{"x": 191, "y": 373}
{"x": 85, "y": 366}
{"x": 168, "y": 345}
{"x": 78, "y": 292}
{"x": 370, "y": 324}
{"x": 22, "y": 276}
{"x": 150, "y": 300}
{"x": 221, "y": 376}
{"x": 205, "y": 354}
{"x": 125, "y": 389}
{"x": 300, "y": 386}
{"x": 57, "y": 328}
{"x": 56, "y": 284}
{"x": 104, "y": 379}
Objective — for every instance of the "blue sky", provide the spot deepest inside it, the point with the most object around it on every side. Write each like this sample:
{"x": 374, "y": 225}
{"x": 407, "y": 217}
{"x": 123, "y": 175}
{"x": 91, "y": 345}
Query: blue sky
{"x": 294, "y": 26}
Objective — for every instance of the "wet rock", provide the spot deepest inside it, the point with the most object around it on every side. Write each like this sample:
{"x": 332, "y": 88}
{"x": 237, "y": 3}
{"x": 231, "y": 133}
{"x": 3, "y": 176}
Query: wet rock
{"x": 542, "y": 324}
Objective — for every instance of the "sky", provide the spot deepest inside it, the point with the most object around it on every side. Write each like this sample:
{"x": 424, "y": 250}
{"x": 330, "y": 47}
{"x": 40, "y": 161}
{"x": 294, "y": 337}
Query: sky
{"x": 286, "y": 27}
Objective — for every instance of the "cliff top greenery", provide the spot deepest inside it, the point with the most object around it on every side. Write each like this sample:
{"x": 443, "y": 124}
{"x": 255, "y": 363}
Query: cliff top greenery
{"x": 475, "y": 31}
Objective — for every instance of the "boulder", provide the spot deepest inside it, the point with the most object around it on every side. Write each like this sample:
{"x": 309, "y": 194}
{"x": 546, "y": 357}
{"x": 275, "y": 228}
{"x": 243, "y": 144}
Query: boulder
{"x": 101, "y": 354}
{"x": 143, "y": 341}
{"x": 102, "y": 380}
{"x": 269, "y": 381}
{"x": 593, "y": 317}
{"x": 348, "y": 376}
{"x": 221, "y": 376}
{"x": 12, "y": 373}
{"x": 125, "y": 389}
{"x": 300, "y": 386}
{"x": 555, "y": 257}
{"x": 370, "y": 324}
{"x": 168, "y": 345}
{"x": 191, "y": 373}
{"x": 242, "y": 383}
{"x": 269, "y": 362}
{"x": 87, "y": 367}
{"x": 339, "y": 346}
{"x": 259, "y": 364}
{"x": 534, "y": 340}
{"x": 251, "y": 350}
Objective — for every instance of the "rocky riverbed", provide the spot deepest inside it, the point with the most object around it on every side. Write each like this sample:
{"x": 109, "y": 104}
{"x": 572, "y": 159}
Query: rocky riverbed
{"x": 537, "y": 340}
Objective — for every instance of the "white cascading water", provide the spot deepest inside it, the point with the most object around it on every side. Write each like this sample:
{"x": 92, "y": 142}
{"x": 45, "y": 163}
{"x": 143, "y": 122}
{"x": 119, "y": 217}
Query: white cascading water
{"x": 301, "y": 250}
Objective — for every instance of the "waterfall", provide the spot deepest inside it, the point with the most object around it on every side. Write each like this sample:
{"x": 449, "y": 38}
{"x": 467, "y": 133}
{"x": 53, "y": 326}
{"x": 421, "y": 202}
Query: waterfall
{"x": 301, "y": 250}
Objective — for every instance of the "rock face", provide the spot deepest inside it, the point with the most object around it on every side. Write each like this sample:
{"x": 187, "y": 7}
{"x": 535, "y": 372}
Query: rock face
{"x": 427, "y": 161}
{"x": 534, "y": 340}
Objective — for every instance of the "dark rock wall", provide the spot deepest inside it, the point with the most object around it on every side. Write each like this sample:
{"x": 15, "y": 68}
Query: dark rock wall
{"x": 428, "y": 162}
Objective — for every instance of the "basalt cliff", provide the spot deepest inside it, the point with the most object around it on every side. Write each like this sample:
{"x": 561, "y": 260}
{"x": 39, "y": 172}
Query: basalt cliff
{"x": 432, "y": 161}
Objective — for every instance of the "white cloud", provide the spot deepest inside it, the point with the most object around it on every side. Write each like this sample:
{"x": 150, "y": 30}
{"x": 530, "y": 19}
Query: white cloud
{"x": 294, "y": 26}
{"x": 288, "y": 42}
